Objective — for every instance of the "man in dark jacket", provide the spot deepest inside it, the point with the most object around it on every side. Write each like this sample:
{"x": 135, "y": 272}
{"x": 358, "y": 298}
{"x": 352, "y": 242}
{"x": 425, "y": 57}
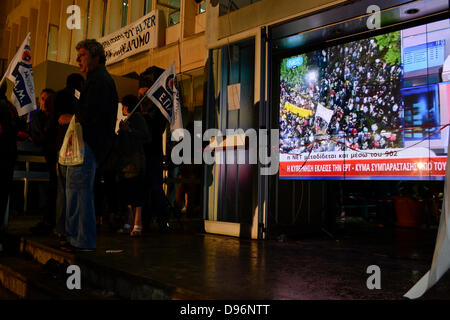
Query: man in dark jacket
{"x": 96, "y": 112}
{"x": 8, "y": 132}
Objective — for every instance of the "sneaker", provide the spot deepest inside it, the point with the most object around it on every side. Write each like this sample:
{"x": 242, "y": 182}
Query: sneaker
{"x": 136, "y": 232}
{"x": 126, "y": 229}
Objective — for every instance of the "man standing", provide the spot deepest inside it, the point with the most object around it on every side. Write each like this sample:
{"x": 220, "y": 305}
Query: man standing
{"x": 65, "y": 106}
{"x": 96, "y": 111}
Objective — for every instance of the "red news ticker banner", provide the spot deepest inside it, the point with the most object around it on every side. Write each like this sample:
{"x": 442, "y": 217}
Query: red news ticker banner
{"x": 410, "y": 167}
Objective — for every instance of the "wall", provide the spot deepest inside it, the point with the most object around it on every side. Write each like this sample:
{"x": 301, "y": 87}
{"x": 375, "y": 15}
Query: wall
{"x": 6, "y": 6}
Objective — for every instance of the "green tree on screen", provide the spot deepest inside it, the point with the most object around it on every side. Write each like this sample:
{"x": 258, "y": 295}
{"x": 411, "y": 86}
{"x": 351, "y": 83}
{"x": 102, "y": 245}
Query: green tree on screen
{"x": 389, "y": 44}
{"x": 293, "y": 76}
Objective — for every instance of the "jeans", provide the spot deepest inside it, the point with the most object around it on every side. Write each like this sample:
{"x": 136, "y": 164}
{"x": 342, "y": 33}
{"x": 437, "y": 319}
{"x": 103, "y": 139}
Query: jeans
{"x": 75, "y": 211}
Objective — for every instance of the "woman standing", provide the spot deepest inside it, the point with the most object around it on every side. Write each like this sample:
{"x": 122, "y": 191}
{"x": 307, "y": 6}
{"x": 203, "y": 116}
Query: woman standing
{"x": 133, "y": 134}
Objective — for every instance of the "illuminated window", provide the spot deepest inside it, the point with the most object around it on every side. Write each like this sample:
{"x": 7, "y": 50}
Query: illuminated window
{"x": 171, "y": 9}
{"x": 148, "y": 6}
{"x": 52, "y": 44}
{"x": 202, "y": 7}
{"x": 124, "y": 13}
{"x": 174, "y": 18}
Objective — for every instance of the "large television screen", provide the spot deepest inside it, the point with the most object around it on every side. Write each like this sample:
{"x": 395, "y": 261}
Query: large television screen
{"x": 376, "y": 108}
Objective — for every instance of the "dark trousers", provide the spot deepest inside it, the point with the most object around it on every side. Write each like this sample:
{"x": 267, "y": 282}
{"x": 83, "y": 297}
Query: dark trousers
{"x": 7, "y": 162}
{"x": 158, "y": 203}
{"x": 50, "y": 213}
{"x": 106, "y": 194}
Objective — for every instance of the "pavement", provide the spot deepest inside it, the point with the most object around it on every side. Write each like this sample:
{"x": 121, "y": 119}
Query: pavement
{"x": 207, "y": 266}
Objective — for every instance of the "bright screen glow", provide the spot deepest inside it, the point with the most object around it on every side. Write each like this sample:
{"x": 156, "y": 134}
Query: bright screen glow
{"x": 376, "y": 108}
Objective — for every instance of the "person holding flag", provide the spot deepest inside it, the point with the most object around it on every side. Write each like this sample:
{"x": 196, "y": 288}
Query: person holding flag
{"x": 153, "y": 149}
{"x": 133, "y": 134}
{"x": 164, "y": 106}
{"x": 20, "y": 72}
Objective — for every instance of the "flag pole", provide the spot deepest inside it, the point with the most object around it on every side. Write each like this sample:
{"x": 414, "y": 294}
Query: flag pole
{"x": 12, "y": 60}
{"x": 134, "y": 109}
{"x": 3, "y": 79}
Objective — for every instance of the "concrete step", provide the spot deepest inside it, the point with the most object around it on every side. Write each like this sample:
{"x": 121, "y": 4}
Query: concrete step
{"x": 6, "y": 295}
{"x": 100, "y": 275}
{"x": 27, "y": 279}
{"x": 42, "y": 251}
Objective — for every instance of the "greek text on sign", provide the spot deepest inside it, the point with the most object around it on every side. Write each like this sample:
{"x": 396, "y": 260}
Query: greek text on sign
{"x": 143, "y": 34}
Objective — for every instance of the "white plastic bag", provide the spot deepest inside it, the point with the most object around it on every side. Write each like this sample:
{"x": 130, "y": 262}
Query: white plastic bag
{"x": 72, "y": 150}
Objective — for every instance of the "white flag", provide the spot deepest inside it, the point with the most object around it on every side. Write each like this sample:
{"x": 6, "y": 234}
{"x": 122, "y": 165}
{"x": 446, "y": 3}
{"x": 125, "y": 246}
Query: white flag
{"x": 20, "y": 72}
{"x": 324, "y": 113}
{"x": 441, "y": 257}
{"x": 119, "y": 117}
{"x": 164, "y": 93}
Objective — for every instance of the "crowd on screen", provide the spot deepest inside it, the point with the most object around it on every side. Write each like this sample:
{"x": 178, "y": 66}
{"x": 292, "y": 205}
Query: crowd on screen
{"x": 363, "y": 91}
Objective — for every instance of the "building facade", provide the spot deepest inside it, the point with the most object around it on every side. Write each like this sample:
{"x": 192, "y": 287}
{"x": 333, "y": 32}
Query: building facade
{"x": 53, "y": 42}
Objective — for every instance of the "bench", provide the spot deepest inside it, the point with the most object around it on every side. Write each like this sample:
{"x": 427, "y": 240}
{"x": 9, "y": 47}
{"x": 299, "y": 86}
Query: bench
{"x": 27, "y": 175}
